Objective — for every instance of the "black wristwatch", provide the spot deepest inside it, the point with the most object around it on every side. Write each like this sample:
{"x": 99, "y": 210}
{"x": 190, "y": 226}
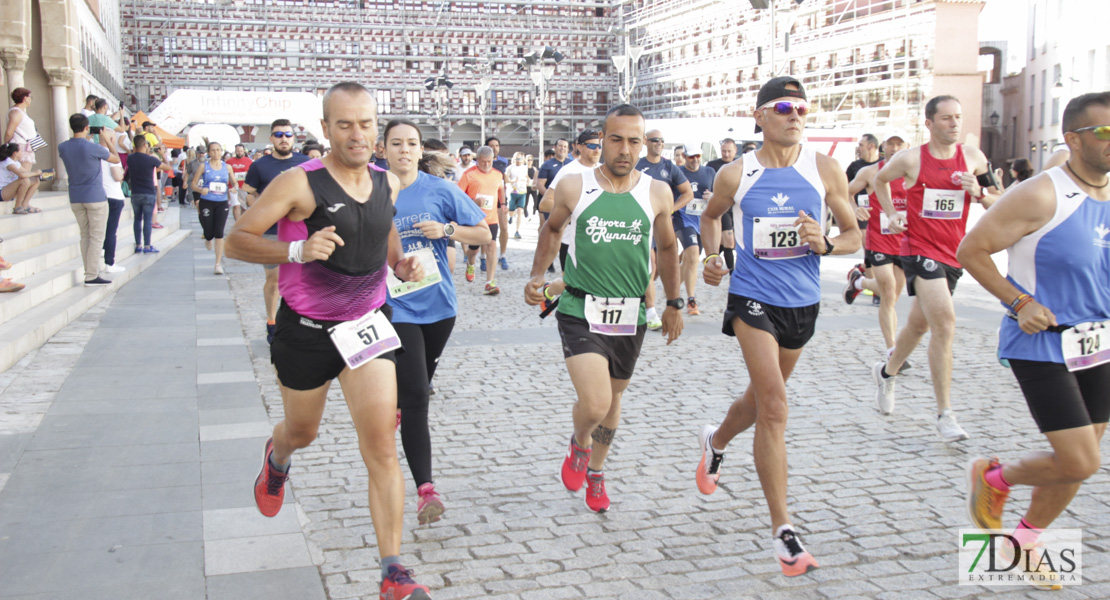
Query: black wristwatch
{"x": 678, "y": 303}
{"x": 828, "y": 247}
{"x": 448, "y": 230}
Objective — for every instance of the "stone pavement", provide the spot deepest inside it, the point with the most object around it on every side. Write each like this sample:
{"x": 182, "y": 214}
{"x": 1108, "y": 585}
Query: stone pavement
{"x": 171, "y": 377}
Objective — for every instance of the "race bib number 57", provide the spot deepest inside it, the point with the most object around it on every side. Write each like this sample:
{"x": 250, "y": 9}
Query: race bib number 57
{"x": 363, "y": 340}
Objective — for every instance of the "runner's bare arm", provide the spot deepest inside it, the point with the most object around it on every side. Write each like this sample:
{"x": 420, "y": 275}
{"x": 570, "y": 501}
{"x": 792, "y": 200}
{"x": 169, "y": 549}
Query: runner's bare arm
{"x": 565, "y": 199}
{"x": 547, "y": 201}
{"x": 288, "y": 196}
{"x": 1022, "y": 210}
{"x": 725, "y": 185}
{"x": 685, "y": 195}
{"x": 404, "y": 268}
{"x": 474, "y": 235}
{"x": 667, "y": 256}
{"x": 836, "y": 197}
{"x": 863, "y": 181}
{"x": 252, "y": 195}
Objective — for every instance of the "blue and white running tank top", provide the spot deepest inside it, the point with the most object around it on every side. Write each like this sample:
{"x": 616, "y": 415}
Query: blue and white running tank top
{"x": 1065, "y": 266}
{"x": 772, "y": 265}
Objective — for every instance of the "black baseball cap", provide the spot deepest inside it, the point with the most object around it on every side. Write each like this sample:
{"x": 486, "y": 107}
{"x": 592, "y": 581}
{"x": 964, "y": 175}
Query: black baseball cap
{"x": 776, "y": 88}
{"x": 587, "y": 135}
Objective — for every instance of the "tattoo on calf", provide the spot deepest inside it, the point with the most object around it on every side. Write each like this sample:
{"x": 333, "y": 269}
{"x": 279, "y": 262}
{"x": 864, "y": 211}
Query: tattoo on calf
{"x": 604, "y": 435}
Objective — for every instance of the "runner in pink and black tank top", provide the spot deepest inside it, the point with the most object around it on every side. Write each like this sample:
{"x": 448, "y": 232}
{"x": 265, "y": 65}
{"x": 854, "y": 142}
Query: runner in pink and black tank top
{"x": 336, "y": 243}
{"x": 941, "y": 183}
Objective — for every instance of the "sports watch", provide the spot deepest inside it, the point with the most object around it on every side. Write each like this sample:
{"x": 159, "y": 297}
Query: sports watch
{"x": 828, "y": 247}
{"x": 677, "y": 303}
{"x": 448, "y": 230}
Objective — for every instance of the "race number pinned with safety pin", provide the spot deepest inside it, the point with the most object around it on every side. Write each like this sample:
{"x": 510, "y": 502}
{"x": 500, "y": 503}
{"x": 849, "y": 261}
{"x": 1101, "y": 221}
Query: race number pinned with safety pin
{"x": 487, "y": 202}
{"x": 942, "y": 204}
{"x": 776, "y": 238}
{"x": 363, "y": 340}
{"x": 398, "y": 288}
{"x": 1086, "y": 345}
{"x": 696, "y": 207}
{"x": 612, "y": 316}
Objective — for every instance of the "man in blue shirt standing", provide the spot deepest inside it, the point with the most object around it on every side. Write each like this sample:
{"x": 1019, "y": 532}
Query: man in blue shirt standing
{"x": 687, "y": 220}
{"x": 87, "y": 199}
{"x": 663, "y": 170}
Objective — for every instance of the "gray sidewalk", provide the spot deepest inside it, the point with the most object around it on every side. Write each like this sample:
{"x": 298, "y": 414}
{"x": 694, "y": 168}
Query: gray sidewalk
{"x": 136, "y": 482}
{"x": 128, "y": 445}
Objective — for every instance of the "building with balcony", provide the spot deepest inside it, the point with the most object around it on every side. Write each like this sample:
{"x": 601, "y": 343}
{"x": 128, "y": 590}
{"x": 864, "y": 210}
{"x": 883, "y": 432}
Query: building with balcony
{"x": 866, "y": 64}
{"x": 392, "y": 47}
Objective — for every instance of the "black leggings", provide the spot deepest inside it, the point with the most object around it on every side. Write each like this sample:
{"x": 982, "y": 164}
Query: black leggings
{"x": 415, "y": 367}
{"x": 213, "y": 218}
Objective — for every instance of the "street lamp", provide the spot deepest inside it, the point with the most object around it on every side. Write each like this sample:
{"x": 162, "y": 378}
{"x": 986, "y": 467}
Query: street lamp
{"x": 439, "y": 85}
{"x": 626, "y": 63}
{"x": 481, "y": 88}
{"x": 541, "y": 74}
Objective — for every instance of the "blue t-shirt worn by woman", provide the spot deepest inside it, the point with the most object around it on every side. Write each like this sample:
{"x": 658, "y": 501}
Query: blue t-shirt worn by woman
{"x": 430, "y": 198}
{"x": 218, "y": 176}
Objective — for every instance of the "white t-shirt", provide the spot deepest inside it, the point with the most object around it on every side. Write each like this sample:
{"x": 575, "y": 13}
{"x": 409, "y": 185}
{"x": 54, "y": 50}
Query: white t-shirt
{"x": 87, "y": 112}
{"x": 125, "y": 142}
{"x": 518, "y": 178}
{"x": 6, "y": 176}
{"x": 112, "y": 188}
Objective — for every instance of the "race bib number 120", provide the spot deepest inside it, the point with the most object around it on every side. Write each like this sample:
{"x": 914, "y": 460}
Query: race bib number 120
{"x": 776, "y": 238}
{"x": 612, "y": 316}
{"x": 1086, "y": 345}
{"x": 363, "y": 340}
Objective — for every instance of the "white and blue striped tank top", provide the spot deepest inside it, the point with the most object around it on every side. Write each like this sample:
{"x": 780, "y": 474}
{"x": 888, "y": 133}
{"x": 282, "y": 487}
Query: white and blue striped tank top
{"x": 772, "y": 265}
{"x": 1065, "y": 266}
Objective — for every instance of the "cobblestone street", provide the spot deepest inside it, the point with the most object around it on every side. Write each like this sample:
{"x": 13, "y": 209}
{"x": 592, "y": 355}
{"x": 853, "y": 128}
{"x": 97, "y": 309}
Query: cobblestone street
{"x": 163, "y": 499}
{"x": 878, "y": 499}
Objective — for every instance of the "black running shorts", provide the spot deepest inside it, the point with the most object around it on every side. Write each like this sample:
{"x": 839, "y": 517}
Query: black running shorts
{"x": 878, "y": 259}
{"x": 492, "y": 230}
{"x": 1061, "y": 399}
{"x": 926, "y": 268}
{"x": 622, "y": 351}
{"x": 791, "y": 327}
{"x": 302, "y": 351}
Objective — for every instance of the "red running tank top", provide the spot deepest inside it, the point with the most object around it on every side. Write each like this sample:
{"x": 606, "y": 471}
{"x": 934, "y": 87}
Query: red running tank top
{"x": 890, "y": 243}
{"x": 937, "y": 208}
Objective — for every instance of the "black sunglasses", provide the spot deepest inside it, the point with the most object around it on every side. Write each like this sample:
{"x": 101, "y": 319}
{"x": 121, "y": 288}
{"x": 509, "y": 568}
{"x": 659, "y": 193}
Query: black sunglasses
{"x": 656, "y": 140}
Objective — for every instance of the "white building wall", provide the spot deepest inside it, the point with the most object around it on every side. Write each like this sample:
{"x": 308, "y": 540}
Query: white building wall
{"x": 1069, "y": 55}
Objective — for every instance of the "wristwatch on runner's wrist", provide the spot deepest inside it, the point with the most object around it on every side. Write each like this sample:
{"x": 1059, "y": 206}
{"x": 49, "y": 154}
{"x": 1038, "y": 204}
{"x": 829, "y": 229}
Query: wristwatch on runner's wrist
{"x": 677, "y": 303}
{"x": 828, "y": 247}
{"x": 448, "y": 230}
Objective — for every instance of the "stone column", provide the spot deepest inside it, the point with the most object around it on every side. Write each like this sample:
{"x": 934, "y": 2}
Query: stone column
{"x": 60, "y": 80}
{"x": 15, "y": 61}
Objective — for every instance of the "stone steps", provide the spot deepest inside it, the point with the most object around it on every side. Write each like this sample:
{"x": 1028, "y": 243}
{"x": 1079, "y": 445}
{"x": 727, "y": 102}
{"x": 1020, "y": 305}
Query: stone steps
{"x": 45, "y": 256}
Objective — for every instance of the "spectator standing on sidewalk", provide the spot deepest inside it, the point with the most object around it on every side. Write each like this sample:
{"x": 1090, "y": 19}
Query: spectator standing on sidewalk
{"x": 86, "y": 191}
